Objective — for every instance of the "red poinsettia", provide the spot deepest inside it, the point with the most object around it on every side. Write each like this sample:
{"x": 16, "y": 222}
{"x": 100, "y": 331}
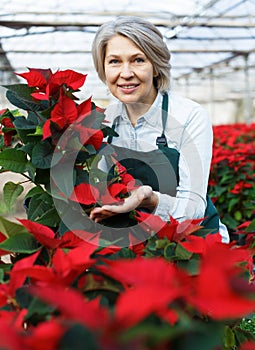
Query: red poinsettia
{"x": 47, "y": 84}
{"x": 11, "y": 332}
{"x": 240, "y": 186}
{"x": 218, "y": 289}
{"x": 74, "y": 306}
{"x": 172, "y": 230}
{"x": 156, "y": 289}
{"x": 67, "y": 113}
{"x": 46, "y": 335}
{"x": 8, "y": 128}
{"x": 47, "y": 237}
{"x": 8, "y": 290}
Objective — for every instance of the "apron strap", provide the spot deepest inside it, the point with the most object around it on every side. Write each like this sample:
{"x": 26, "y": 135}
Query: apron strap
{"x": 161, "y": 140}
{"x": 109, "y": 140}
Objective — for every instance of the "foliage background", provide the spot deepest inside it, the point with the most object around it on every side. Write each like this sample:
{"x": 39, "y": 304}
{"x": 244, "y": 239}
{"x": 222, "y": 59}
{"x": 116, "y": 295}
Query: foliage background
{"x": 232, "y": 177}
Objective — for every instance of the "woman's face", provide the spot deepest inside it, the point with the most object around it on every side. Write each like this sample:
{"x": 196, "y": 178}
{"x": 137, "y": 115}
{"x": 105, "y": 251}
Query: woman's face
{"x": 129, "y": 74}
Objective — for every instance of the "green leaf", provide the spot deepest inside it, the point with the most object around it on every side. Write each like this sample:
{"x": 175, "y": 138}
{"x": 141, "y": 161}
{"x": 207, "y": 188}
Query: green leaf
{"x": 31, "y": 171}
{"x": 13, "y": 160}
{"x": 3, "y": 208}
{"x": 38, "y": 205}
{"x": 33, "y": 118}
{"x": 192, "y": 266}
{"x": 42, "y": 155}
{"x": 182, "y": 253}
{"x": 20, "y": 243}
{"x": 28, "y": 135}
{"x": 124, "y": 253}
{"x": 37, "y": 310}
{"x": 65, "y": 184}
{"x": 209, "y": 340}
{"x": 25, "y": 123}
{"x": 23, "y": 90}
{"x": 10, "y": 228}
{"x": 7, "y": 114}
{"x": 229, "y": 221}
{"x": 38, "y": 131}
{"x": 23, "y": 297}
{"x": 161, "y": 243}
{"x": 42, "y": 176}
{"x": 28, "y": 147}
{"x": 2, "y": 145}
{"x": 238, "y": 215}
{"x": 229, "y": 338}
{"x": 251, "y": 227}
{"x": 49, "y": 218}
{"x": 169, "y": 250}
{"x": 232, "y": 203}
{"x": 1, "y": 276}
{"x": 78, "y": 335}
{"x": 242, "y": 335}
{"x": 34, "y": 191}
{"x": 19, "y": 96}
{"x": 11, "y": 192}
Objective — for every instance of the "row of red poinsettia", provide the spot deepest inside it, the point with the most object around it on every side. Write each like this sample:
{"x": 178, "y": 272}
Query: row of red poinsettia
{"x": 233, "y": 173}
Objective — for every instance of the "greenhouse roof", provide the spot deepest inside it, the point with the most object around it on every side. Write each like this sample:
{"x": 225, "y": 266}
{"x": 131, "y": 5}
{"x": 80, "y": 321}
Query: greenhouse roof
{"x": 206, "y": 38}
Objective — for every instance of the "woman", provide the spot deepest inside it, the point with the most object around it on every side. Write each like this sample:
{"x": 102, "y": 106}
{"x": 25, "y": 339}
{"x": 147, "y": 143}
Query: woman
{"x": 164, "y": 140}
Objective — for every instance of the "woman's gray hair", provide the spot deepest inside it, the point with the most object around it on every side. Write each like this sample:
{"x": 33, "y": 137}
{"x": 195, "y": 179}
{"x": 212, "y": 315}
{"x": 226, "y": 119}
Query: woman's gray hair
{"x": 145, "y": 36}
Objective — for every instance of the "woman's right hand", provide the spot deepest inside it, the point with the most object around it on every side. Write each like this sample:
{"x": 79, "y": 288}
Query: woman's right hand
{"x": 142, "y": 196}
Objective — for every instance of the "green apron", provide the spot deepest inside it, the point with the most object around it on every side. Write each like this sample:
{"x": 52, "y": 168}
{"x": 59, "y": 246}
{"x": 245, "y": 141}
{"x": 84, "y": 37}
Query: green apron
{"x": 160, "y": 170}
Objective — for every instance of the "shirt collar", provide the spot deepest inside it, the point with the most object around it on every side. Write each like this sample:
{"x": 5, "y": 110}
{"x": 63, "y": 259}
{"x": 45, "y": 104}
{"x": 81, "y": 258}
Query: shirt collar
{"x": 152, "y": 115}
{"x": 117, "y": 111}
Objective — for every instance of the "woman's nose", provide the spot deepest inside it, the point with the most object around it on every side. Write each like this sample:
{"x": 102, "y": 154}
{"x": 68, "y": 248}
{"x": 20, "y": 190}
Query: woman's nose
{"x": 126, "y": 71}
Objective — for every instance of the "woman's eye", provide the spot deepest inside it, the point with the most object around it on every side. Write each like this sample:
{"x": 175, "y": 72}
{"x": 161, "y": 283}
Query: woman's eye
{"x": 113, "y": 61}
{"x": 139, "y": 60}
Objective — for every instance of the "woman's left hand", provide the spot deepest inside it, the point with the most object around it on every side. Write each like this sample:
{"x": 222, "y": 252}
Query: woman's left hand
{"x": 142, "y": 196}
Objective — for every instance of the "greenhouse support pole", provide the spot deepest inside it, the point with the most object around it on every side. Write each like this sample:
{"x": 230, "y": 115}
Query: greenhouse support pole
{"x": 212, "y": 93}
{"x": 187, "y": 87}
{"x": 247, "y": 97}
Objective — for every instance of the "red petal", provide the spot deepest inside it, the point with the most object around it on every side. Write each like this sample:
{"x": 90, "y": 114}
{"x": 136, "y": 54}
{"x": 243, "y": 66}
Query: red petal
{"x": 45, "y": 335}
{"x": 35, "y": 78}
{"x": 70, "y": 240}
{"x": 42, "y": 234}
{"x": 40, "y": 96}
{"x": 73, "y": 305}
{"x": 90, "y": 136}
{"x": 65, "y": 112}
{"x": 130, "y": 310}
{"x": 46, "y": 129}
{"x": 85, "y": 194}
{"x": 2, "y": 111}
{"x": 37, "y": 272}
{"x": 84, "y": 108}
{"x": 10, "y": 338}
{"x": 17, "y": 281}
{"x": 69, "y": 77}
{"x": 2, "y": 239}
